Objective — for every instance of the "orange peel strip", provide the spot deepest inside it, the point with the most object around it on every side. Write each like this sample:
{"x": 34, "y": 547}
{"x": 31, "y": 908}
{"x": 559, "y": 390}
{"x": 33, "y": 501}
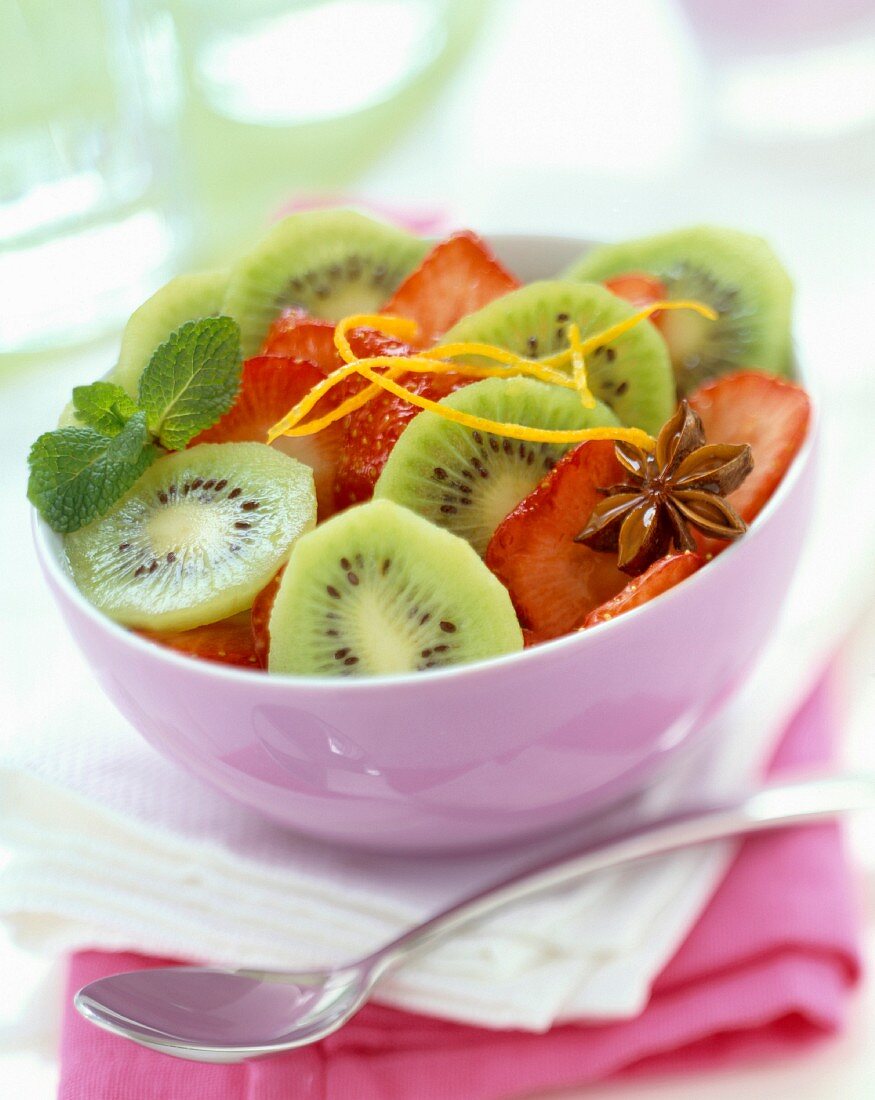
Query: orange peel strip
{"x": 533, "y": 368}
{"x": 310, "y": 400}
{"x": 290, "y": 422}
{"x": 477, "y": 423}
{"x": 396, "y": 365}
{"x": 295, "y": 415}
{"x": 578, "y": 368}
{"x": 435, "y": 360}
{"x": 400, "y": 327}
{"x": 405, "y": 329}
{"x": 622, "y": 327}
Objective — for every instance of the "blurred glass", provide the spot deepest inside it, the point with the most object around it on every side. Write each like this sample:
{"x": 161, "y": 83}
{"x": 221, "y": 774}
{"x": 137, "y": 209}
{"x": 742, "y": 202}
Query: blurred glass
{"x": 91, "y": 201}
{"x": 291, "y": 97}
{"x": 290, "y": 62}
{"x": 789, "y": 69}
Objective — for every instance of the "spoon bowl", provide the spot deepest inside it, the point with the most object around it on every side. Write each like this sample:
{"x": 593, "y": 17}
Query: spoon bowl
{"x": 208, "y": 1015}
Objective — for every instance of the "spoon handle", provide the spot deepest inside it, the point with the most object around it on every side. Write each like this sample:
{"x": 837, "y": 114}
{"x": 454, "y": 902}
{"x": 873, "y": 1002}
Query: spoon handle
{"x": 770, "y": 807}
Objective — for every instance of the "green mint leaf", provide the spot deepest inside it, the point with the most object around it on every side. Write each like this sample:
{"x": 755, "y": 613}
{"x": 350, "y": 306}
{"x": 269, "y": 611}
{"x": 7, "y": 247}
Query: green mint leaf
{"x": 129, "y": 445}
{"x": 103, "y": 406}
{"x": 191, "y": 380}
{"x": 77, "y": 474}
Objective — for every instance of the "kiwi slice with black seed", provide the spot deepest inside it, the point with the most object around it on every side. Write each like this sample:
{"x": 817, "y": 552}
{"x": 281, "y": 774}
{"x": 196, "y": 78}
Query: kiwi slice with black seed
{"x": 737, "y": 274}
{"x": 378, "y": 590}
{"x": 185, "y": 298}
{"x": 467, "y": 480}
{"x": 197, "y": 538}
{"x": 330, "y": 263}
{"x": 632, "y": 374}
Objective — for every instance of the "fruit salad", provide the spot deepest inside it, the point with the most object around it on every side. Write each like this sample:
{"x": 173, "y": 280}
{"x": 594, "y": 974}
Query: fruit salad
{"x": 359, "y": 453}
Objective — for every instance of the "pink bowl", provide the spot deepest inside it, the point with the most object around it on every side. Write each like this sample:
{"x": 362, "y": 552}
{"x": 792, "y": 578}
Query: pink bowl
{"x": 468, "y": 757}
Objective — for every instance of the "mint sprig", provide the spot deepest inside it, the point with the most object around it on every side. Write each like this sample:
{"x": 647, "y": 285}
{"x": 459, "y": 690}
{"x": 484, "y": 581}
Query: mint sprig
{"x": 103, "y": 406}
{"x": 77, "y": 474}
{"x": 192, "y": 379}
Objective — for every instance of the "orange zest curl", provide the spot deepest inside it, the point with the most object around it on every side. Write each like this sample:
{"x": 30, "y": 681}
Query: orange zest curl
{"x": 402, "y": 328}
{"x": 439, "y": 360}
{"x": 578, "y": 368}
{"x": 395, "y": 365}
{"x": 310, "y": 400}
{"x": 532, "y": 368}
{"x": 513, "y": 431}
{"x": 622, "y": 327}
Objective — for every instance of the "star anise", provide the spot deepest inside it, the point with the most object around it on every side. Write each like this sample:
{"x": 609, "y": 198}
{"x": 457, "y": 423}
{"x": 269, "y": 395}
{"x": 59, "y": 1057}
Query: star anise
{"x": 681, "y": 484}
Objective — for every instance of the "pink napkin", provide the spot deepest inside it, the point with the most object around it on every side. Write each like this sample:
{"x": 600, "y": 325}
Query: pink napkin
{"x": 767, "y": 970}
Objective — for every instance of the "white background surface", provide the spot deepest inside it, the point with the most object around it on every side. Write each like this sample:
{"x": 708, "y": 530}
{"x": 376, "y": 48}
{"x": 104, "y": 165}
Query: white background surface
{"x": 593, "y": 120}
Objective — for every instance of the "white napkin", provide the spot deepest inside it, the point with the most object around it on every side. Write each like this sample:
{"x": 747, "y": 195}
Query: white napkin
{"x": 114, "y": 848}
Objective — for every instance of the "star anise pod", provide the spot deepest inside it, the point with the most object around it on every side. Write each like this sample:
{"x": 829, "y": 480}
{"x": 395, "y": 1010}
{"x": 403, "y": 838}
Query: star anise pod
{"x": 683, "y": 483}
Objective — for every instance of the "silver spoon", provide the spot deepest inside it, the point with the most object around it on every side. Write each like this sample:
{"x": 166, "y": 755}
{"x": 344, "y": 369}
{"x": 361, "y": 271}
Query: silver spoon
{"x": 213, "y": 1015}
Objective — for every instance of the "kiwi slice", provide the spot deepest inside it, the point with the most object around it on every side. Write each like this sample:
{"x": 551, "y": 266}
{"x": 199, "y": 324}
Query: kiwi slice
{"x": 197, "y": 538}
{"x": 736, "y": 273}
{"x": 633, "y": 374}
{"x": 330, "y": 263}
{"x": 467, "y": 481}
{"x": 185, "y": 298}
{"x": 378, "y": 590}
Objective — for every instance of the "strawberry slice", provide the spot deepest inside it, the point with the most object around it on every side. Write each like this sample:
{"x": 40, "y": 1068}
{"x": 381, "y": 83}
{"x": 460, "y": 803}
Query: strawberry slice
{"x": 369, "y": 433}
{"x": 367, "y": 343}
{"x": 261, "y": 610}
{"x": 458, "y": 276}
{"x": 769, "y": 413}
{"x": 665, "y": 573}
{"x": 297, "y": 336}
{"x": 639, "y": 289}
{"x": 229, "y": 642}
{"x": 373, "y": 430}
{"x": 555, "y": 582}
{"x": 270, "y": 386}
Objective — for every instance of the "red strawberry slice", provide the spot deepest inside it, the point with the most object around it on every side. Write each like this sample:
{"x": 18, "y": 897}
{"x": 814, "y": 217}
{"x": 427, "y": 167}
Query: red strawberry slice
{"x": 270, "y": 386}
{"x": 261, "y": 610}
{"x": 373, "y": 430}
{"x": 295, "y": 334}
{"x": 229, "y": 642}
{"x": 553, "y": 581}
{"x": 665, "y": 573}
{"x": 298, "y": 336}
{"x": 769, "y": 413}
{"x": 370, "y": 432}
{"x": 639, "y": 289}
{"x": 458, "y": 276}
{"x": 367, "y": 343}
